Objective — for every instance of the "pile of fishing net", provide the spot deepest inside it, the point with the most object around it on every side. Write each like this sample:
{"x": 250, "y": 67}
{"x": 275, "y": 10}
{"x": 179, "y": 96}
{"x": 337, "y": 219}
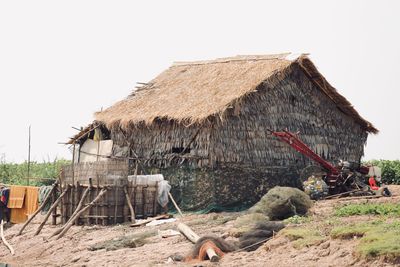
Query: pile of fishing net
{"x": 283, "y": 202}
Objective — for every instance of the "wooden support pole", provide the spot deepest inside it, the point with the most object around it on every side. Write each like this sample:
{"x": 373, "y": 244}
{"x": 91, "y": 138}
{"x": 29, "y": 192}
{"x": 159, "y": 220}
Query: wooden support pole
{"x": 4, "y": 239}
{"x": 116, "y": 204}
{"x": 176, "y": 205}
{"x": 55, "y": 204}
{"x": 193, "y": 237}
{"x": 80, "y": 204}
{"x": 128, "y": 201}
{"x": 46, "y": 199}
{"x": 54, "y": 214}
{"x": 78, "y": 208}
{"x": 69, "y": 225}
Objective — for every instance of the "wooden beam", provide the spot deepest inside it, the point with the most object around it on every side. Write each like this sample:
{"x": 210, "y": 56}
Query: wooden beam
{"x": 193, "y": 237}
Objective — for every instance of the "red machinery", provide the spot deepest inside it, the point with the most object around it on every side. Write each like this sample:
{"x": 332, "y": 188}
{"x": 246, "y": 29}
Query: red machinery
{"x": 346, "y": 177}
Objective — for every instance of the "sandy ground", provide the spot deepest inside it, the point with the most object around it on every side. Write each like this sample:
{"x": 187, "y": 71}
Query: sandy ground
{"x": 72, "y": 249}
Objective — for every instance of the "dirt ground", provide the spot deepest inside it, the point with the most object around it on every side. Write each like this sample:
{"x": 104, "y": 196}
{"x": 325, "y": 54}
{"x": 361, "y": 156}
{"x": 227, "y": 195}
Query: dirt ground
{"x": 73, "y": 248}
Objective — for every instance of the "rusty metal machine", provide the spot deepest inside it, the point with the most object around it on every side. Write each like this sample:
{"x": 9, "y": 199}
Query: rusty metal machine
{"x": 346, "y": 177}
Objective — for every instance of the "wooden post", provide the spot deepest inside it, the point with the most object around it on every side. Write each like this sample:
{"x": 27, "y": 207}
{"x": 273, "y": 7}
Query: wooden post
{"x": 176, "y": 205}
{"x": 97, "y": 192}
{"x": 155, "y": 200}
{"x": 73, "y": 164}
{"x": 193, "y": 237}
{"x": 29, "y": 155}
{"x": 144, "y": 189}
{"x": 46, "y": 199}
{"x": 68, "y": 225}
{"x": 51, "y": 210}
{"x": 54, "y": 215}
{"x": 78, "y": 208}
{"x": 116, "y": 202}
{"x": 128, "y": 200}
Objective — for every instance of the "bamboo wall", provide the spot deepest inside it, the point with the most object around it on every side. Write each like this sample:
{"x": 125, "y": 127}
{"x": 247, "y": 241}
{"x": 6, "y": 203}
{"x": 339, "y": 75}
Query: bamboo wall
{"x": 113, "y": 207}
{"x": 296, "y": 104}
{"x": 154, "y": 144}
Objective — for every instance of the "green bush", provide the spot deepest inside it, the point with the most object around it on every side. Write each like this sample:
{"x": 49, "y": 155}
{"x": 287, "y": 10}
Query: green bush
{"x": 390, "y": 170}
{"x": 16, "y": 173}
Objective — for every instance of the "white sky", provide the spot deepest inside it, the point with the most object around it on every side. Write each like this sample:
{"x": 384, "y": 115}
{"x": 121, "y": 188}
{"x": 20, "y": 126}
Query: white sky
{"x": 60, "y": 61}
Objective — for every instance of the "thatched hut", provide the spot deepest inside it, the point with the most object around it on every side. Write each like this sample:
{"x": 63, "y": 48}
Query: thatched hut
{"x": 204, "y": 126}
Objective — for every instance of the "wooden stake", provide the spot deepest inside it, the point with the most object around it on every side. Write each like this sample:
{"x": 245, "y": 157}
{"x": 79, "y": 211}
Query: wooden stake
{"x": 193, "y": 237}
{"x": 69, "y": 225}
{"x": 176, "y": 205}
{"x": 55, "y": 204}
{"x": 4, "y": 239}
{"x": 46, "y": 199}
{"x": 78, "y": 208}
{"x": 128, "y": 200}
{"x": 29, "y": 155}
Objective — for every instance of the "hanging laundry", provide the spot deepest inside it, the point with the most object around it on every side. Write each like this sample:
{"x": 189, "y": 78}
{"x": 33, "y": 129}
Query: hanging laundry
{"x": 23, "y": 201}
{"x": 4, "y": 195}
{"x": 31, "y": 199}
{"x": 17, "y": 196}
{"x": 4, "y": 211}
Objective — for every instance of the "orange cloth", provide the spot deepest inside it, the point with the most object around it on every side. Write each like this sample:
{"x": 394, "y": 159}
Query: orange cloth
{"x": 29, "y": 196}
{"x": 17, "y": 196}
{"x": 31, "y": 199}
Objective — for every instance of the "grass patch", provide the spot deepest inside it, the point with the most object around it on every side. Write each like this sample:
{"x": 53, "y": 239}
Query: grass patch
{"x": 390, "y": 209}
{"x": 377, "y": 238}
{"x": 303, "y": 236}
{"x": 296, "y": 219}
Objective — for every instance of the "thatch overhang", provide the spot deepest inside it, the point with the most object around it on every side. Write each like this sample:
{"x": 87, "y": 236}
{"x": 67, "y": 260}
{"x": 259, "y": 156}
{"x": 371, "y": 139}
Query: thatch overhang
{"x": 192, "y": 92}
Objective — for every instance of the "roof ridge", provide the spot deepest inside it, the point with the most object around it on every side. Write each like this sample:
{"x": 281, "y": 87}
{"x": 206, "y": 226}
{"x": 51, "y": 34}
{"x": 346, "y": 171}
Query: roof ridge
{"x": 281, "y": 56}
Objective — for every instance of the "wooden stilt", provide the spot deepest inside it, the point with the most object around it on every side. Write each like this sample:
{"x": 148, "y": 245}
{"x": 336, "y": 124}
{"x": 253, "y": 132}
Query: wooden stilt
{"x": 51, "y": 210}
{"x": 176, "y": 205}
{"x": 69, "y": 225}
{"x": 54, "y": 214}
{"x": 78, "y": 208}
{"x": 128, "y": 201}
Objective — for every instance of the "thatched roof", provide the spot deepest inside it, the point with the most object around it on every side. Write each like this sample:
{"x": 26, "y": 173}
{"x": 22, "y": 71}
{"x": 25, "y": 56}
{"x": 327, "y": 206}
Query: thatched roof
{"x": 191, "y": 92}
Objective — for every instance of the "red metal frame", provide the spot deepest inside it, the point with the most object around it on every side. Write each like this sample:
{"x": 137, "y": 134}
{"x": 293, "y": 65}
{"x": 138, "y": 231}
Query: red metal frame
{"x": 299, "y": 146}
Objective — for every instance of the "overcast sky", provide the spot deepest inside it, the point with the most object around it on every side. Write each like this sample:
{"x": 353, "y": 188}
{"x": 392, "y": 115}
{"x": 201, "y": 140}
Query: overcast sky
{"x": 60, "y": 61}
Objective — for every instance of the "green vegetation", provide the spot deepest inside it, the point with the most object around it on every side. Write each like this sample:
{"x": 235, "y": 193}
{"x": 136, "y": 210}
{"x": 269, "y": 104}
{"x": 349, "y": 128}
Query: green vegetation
{"x": 391, "y": 209}
{"x": 296, "y": 219}
{"x": 377, "y": 239}
{"x": 13, "y": 173}
{"x": 304, "y": 236}
{"x": 390, "y": 170}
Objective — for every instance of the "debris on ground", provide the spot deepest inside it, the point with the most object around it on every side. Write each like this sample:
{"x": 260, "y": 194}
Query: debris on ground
{"x": 159, "y": 222}
{"x": 129, "y": 241}
{"x": 168, "y": 233}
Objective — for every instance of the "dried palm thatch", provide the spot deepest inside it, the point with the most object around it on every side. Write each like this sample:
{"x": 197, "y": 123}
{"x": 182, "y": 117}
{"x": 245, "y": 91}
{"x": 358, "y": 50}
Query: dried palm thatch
{"x": 191, "y": 92}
